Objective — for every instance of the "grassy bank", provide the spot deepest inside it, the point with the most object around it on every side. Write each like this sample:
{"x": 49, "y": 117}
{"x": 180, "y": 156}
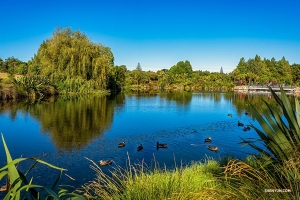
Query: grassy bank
{"x": 236, "y": 179}
{"x": 139, "y": 182}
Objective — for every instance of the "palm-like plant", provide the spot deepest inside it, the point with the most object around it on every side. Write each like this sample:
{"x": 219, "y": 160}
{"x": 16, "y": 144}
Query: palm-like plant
{"x": 280, "y": 135}
{"x": 18, "y": 186}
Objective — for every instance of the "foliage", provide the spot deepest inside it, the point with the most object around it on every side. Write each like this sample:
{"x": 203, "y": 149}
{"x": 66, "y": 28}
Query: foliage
{"x": 280, "y": 136}
{"x": 117, "y": 78}
{"x": 32, "y": 85}
{"x": 139, "y": 182}
{"x": 18, "y": 186}
{"x": 13, "y": 65}
{"x": 256, "y": 181}
{"x": 295, "y": 68}
{"x": 181, "y": 68}
{"x": 263, "y": 71}
{"x": 278, "y": 163}
{"x": 70, "y": 60}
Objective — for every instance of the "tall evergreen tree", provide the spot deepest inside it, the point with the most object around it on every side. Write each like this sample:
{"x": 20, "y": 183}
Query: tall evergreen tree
{"x": 138, "y": 67}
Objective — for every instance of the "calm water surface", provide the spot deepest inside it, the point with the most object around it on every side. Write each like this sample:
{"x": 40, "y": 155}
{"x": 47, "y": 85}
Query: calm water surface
{"x": 65, "y": 131}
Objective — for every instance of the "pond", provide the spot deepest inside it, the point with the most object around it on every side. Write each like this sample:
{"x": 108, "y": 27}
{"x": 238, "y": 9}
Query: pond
{"x": 66, "y": 131}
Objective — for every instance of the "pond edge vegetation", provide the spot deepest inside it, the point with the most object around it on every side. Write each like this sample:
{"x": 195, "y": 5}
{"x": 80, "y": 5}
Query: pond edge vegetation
{"x": 69, "y": 63}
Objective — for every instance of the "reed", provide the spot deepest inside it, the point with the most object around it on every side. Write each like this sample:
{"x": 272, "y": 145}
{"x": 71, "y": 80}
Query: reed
{"x": 243, "y": 181}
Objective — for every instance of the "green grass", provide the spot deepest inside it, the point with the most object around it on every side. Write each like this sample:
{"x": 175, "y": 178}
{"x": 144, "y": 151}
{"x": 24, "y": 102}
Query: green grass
{"x": 247, "y": 179}
{"x": 195, "y": 181}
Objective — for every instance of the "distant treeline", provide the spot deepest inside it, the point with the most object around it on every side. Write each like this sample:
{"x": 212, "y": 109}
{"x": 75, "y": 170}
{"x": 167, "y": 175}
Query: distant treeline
{"x": 70, "y": 62}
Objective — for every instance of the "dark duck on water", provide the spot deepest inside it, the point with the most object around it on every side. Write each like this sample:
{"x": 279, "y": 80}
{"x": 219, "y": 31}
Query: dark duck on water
{"x": 207, "y": 139}
{"x": 215, "y": 149}
{"x": 160, "y": 145}
{"x": 140, "y": 147}
{"x": 122, "y": 144}
{"x": 240, "y": 123}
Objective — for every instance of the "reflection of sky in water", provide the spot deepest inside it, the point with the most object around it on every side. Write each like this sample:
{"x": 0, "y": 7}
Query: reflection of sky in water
{"x": 139, "y": 120}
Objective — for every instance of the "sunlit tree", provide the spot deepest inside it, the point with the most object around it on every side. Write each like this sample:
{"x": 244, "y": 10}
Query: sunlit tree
{"x": 72, "y": 62}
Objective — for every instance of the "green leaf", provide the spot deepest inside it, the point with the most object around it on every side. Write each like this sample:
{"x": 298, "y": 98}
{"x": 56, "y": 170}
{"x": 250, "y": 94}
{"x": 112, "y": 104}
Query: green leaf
{"x": 12, "y": 171}
{"x": 280, "y": 138}
{"x": 2, "y": 174}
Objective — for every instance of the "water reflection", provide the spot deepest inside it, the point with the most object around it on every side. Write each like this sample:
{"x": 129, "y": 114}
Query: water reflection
{"x": 181, "y": 98}
{"x": 242, "y": 102}
{"x": 71, "y": 122}
{"x": 94, "y": 126}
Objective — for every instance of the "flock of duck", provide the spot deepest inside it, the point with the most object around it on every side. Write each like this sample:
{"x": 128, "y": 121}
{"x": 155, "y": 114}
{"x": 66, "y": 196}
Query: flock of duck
{"x": 158, "y": 145}
{"x": 161, "y": 145}
{"x": 140, "y": 147}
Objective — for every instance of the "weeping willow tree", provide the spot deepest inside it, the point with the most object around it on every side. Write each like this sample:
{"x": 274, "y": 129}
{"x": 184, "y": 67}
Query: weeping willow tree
{"x": 72, "y": 62}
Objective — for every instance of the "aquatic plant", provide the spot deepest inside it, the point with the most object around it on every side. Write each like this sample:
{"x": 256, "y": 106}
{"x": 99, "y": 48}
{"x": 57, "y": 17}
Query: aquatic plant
{"x": 18, "y": 186}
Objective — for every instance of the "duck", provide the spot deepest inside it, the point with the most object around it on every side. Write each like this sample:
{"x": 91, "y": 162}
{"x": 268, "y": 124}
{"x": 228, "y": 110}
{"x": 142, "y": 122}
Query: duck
{"x": 160, "y": 145}
{"x": 3, "y": 188}
{"x": 122, "y": 144}
{"x": 230, "y": 115}
{"x": 240, "y": 124}
{"x": 105, "y": 162}
{"x": 207, "y": 139}
{"x": 212, "y": 148}
{"x": 140, "y": 147}
{"x": 246, "y": 113}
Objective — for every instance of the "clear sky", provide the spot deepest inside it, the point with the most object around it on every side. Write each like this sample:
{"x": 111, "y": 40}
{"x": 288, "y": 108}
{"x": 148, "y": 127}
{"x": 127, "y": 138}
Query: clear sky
{"x": 159, "y": 33}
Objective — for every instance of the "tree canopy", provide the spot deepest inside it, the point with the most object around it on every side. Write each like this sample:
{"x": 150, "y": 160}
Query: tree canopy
{"x": 181, "y": 68}
{"x": 73, "y": 62}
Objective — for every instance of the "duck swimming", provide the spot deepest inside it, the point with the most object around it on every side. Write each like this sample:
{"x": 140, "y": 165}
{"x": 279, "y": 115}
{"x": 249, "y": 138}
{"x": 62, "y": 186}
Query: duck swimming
{"x": 160, "y": 145}
{"x": 105, "y": 162}
{"x": 122, "y": 144}
{"x": 240, "y": 124}
{"x": 230, "y": 115}
{"x": 140, "y": 147}
{"x": 246, "y": 128}
{"x": 215, "y": 149}
{"x": 207, "y": 139}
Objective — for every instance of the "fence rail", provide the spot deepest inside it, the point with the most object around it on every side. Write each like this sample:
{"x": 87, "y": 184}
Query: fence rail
{"x": 287, "y": 88}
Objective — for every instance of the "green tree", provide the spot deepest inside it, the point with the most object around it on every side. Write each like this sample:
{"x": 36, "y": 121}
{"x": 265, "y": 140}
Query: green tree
{"x": 138, "y": 76}
{"x": 284, "y": 71}
{"x": 138, "y": 67}
{"x": 13, "y": 65}
{"x": 295, "y": 68}
{"x": 182, "y": 67}
{"x": 2, "y": 66}
{"x": 72, "y": 62}
{"x": 117, "y": 78}
{"x": 241, "y": 67}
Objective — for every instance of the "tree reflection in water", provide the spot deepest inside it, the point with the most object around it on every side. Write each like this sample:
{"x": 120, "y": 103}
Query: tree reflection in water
{"x": 71, "y": 122}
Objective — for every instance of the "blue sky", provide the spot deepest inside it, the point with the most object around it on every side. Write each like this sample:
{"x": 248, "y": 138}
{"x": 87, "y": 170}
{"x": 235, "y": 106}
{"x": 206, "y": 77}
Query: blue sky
{"x": 157, "y": 34}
